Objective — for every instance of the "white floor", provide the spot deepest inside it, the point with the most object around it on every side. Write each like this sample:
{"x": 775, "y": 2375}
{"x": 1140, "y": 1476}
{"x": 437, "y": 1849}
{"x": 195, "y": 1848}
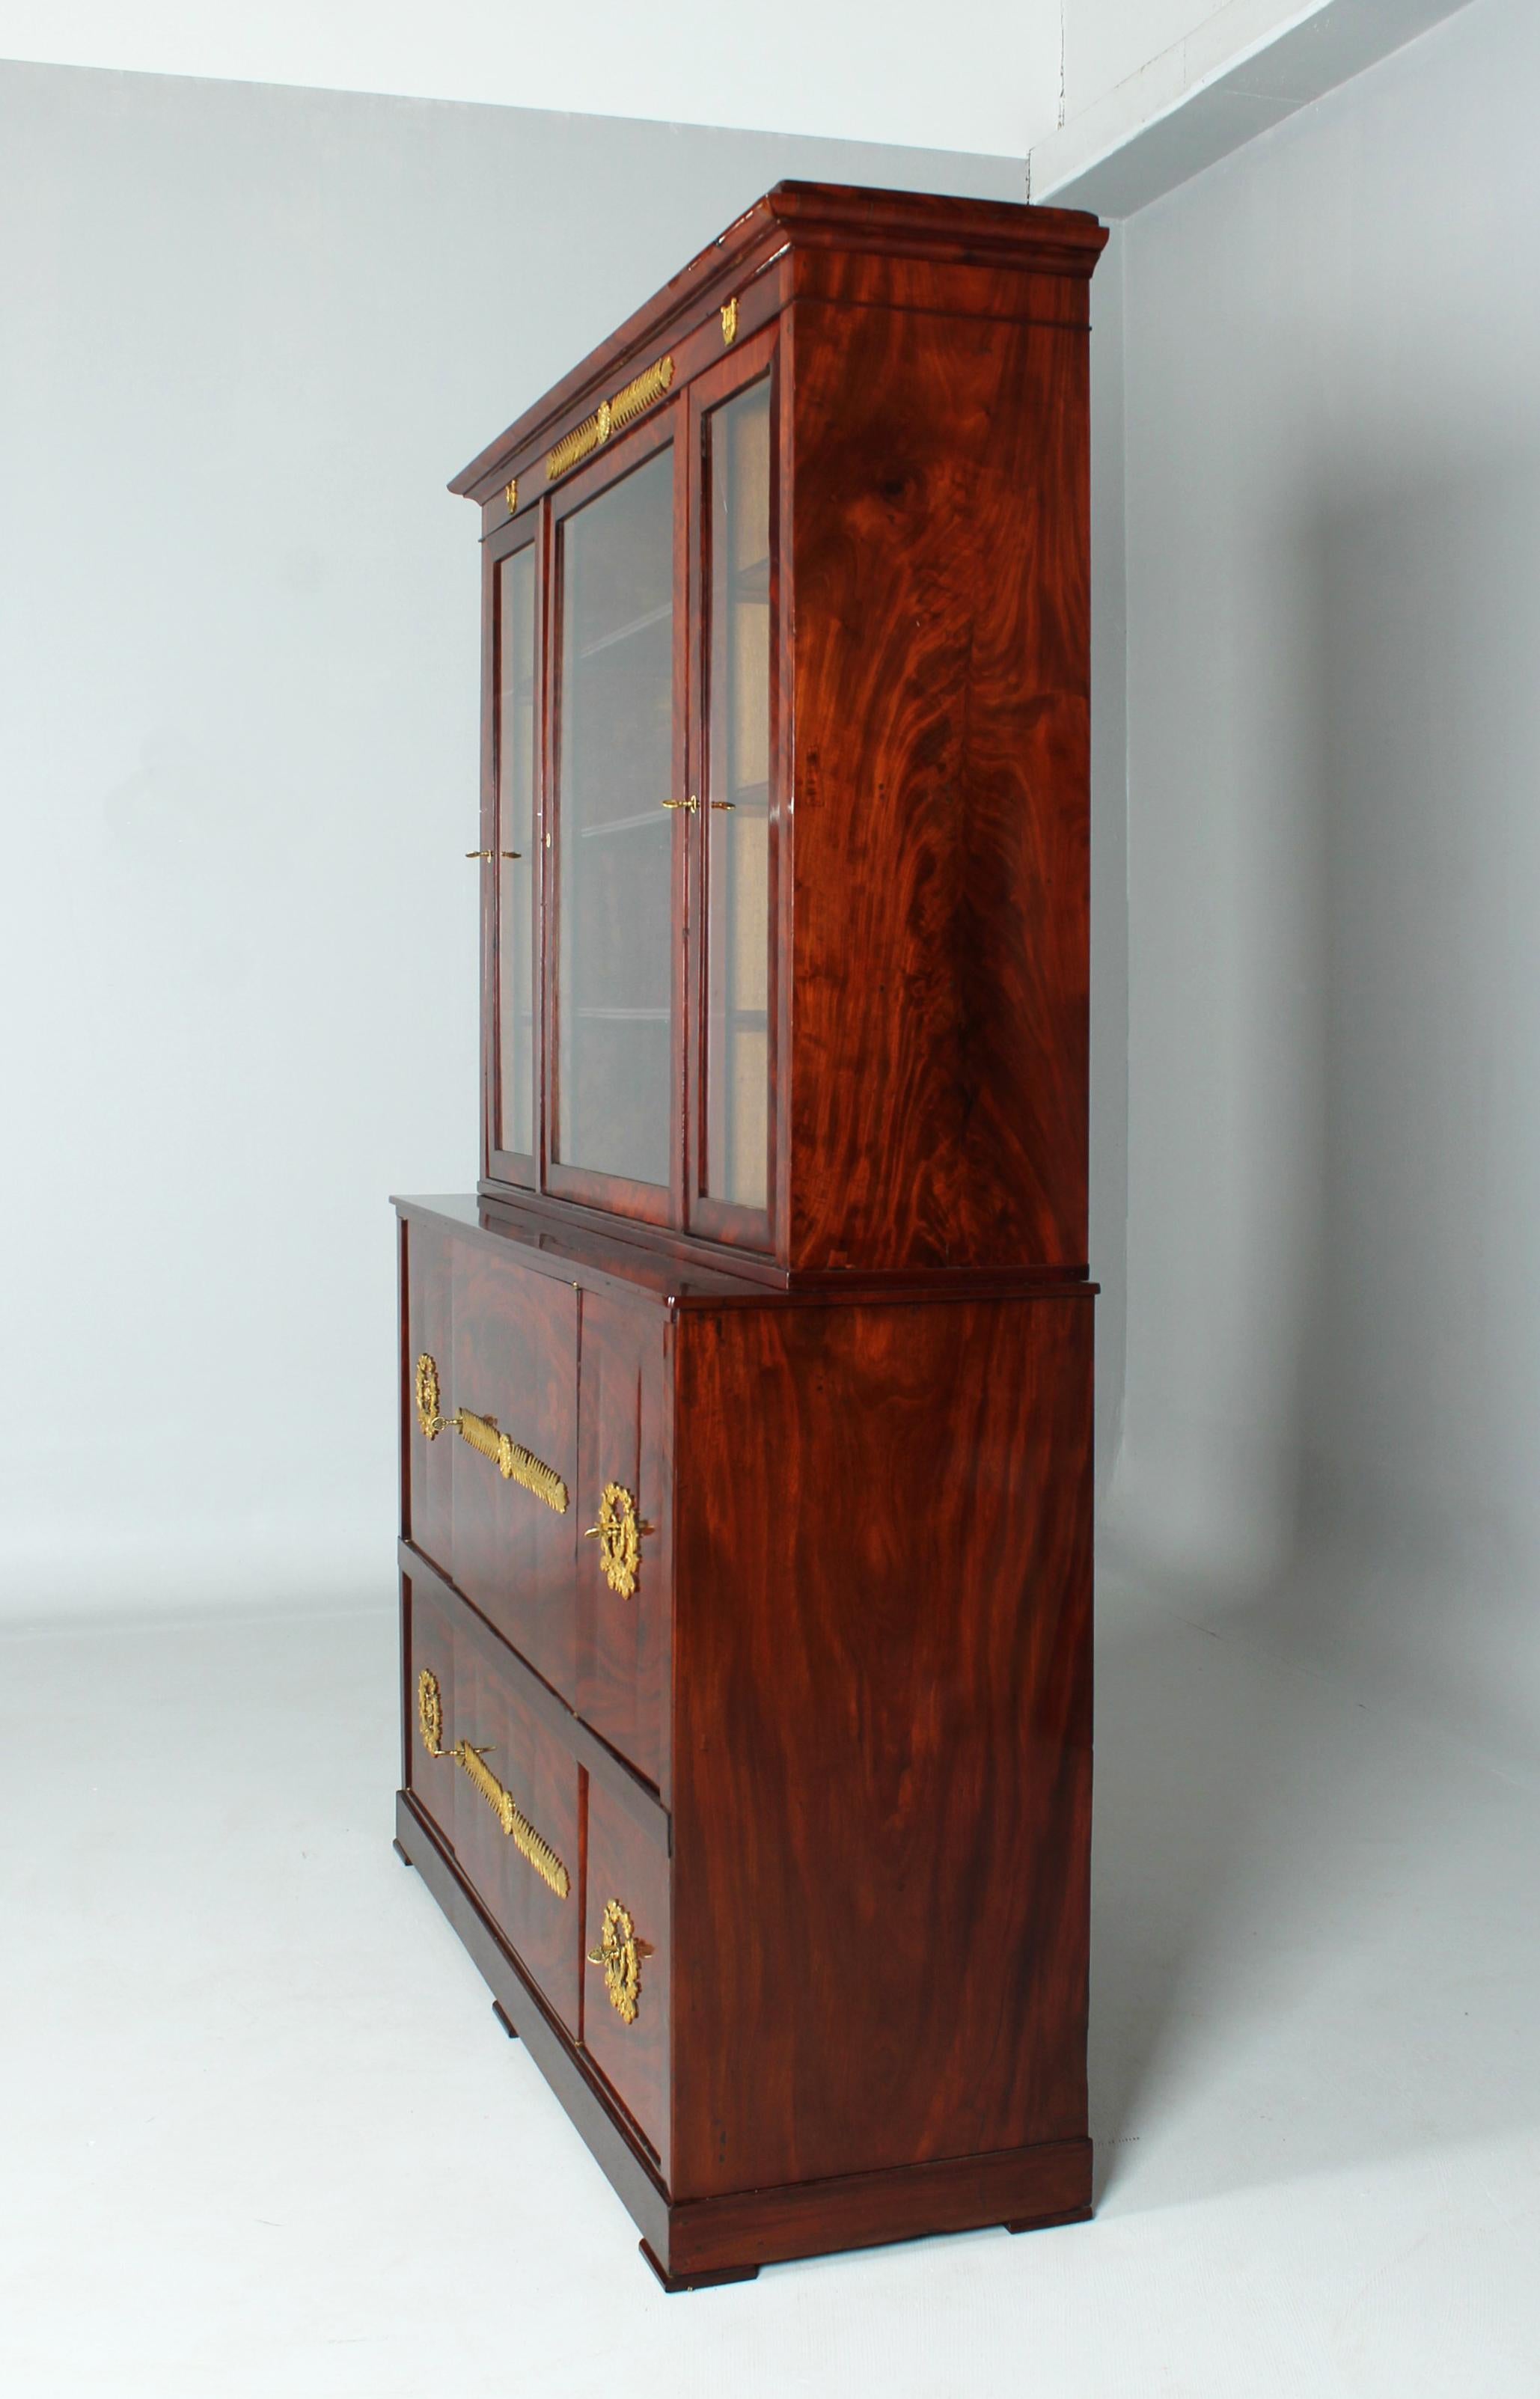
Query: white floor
{"x": 262, "y": 2134}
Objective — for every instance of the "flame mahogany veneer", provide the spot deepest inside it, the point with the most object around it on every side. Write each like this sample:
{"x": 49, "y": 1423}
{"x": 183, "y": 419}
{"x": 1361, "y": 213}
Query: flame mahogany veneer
{"x": 805, "y": 1950}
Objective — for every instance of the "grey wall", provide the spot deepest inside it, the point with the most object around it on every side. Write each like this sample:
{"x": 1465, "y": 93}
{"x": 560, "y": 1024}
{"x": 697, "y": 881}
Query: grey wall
{"x": 1334, "y": 596}
{"x": 247, "y": 335}
{"x": 1109, "y": 1148}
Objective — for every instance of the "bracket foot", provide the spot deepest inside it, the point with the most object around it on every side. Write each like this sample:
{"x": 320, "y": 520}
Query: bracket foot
{"x": 706, "y": 2282}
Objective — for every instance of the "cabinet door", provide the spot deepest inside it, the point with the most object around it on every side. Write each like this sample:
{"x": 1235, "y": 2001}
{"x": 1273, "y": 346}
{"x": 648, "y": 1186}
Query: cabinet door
{"x": 734, "y": 952}
{"x": 617, "y": 863}
{"x": 511, "y": 833}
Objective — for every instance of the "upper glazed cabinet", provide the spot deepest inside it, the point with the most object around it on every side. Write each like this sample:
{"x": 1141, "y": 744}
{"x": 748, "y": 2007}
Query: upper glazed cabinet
{"x": 783, "y": 829}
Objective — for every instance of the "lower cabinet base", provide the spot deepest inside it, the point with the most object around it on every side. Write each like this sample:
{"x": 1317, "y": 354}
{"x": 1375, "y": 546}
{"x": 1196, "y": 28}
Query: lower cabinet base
{"x": 707, "y": 2282}
{"x": 691, "y": 2244}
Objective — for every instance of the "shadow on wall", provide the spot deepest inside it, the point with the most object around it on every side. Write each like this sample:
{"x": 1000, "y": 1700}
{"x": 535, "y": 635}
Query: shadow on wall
{"x": 1351, "y": 1341}
{"x": 1416, "y": 1428}
{"x": 1294, "y": 1760}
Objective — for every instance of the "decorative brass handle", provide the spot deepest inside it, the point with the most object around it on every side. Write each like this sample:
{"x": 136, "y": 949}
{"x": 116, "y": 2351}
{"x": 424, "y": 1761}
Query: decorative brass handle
{"x": 609, "y": 417}
{"x": 513, "y": 1461}
{"x": 620, "y": 1954}
{"x": 497, "y": 853}
{"x": 618, "y": 1533}
{"x": 728, "y": 806}
{"x": 520, "y": 1831}
{"x": 693, "y": 803}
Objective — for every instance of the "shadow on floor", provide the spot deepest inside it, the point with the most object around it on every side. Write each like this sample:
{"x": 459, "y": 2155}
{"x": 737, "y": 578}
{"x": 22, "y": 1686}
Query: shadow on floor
{"x": 1305, "y": 1953}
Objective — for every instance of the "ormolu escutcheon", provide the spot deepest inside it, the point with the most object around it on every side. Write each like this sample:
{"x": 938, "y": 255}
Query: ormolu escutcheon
{"x": 618, "y": 1533}
{"x": 620, "y": 1954}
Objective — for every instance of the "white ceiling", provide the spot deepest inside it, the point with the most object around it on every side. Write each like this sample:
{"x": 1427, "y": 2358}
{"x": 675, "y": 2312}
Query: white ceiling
{"x": 1115, "y": 100}
{"x": 977, "y": 75}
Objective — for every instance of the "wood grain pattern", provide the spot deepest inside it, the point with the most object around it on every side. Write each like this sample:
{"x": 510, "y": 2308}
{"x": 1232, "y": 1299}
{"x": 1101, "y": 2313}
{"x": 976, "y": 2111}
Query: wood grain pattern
{"x": 846, "y": 217}
{"x": 833, "y": 1754}
{"x": 638, "y": 1797}
{"x": 929, "y": 806}
{"x": 941, "y": 816}
{"x": 721, "y": 2238}
{"x": 881, "y": 1772}
{"x": 1049, "y": 2183}
{"x": 481, "y": 1706}
{"x": 515, "y": 1359}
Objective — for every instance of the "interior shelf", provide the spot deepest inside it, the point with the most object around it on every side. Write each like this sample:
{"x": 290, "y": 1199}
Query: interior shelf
{"x": 622, "y": 824}
{"x": 624, "y": 633}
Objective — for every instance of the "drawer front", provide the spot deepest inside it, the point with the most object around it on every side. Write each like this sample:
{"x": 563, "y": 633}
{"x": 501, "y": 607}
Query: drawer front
{"x": 491, "y": 1439}
{"x": 625, "y": 1564}
{"x": 626, "y": 1953}
{"x": 502, "y": 1789}
{"x": 427, "y": 1467}
{"x": 516, "y": 1364}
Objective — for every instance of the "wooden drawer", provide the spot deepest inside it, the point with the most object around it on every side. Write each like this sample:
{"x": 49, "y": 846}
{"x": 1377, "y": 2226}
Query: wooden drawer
{"x": 627, "y": 1952}
{"x": 492, "y": 1440}
{"x": 504, "y": 1791}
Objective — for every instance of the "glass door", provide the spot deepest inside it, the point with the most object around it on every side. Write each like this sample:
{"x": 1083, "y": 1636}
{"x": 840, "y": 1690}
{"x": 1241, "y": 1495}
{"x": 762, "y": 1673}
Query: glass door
{"x": 515, "y": 863}
{"x": 735, "y": 952}
{"x": 617, "y": 777}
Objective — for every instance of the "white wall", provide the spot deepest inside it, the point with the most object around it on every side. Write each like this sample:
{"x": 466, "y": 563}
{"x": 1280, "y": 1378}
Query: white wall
{"x": 247, "y": 334}
{"x": 1156, "y": 91}
{"x": 1333, "y": 593}
{"x": 1108, "y": 41}
{"x": 991, "y": 75}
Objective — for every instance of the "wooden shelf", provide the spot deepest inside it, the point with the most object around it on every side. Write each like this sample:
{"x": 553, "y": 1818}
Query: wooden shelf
{"x": 654, "y": 816}
{"x": 624, "y": 632}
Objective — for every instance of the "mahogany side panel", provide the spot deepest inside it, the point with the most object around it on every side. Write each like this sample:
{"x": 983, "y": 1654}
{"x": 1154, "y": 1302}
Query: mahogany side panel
{"x": 941, "y": 840}
{"x": 881, "y": 1772}
{"x": 867, "y": 280}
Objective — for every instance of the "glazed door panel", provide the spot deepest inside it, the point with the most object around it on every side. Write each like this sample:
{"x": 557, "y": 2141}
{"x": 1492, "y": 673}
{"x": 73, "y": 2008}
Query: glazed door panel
{"x": 516, "y": 866}
{"x": 735, "y": 735}
{"x": 737, "y": 824}
{"x": 616, "y": 871}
